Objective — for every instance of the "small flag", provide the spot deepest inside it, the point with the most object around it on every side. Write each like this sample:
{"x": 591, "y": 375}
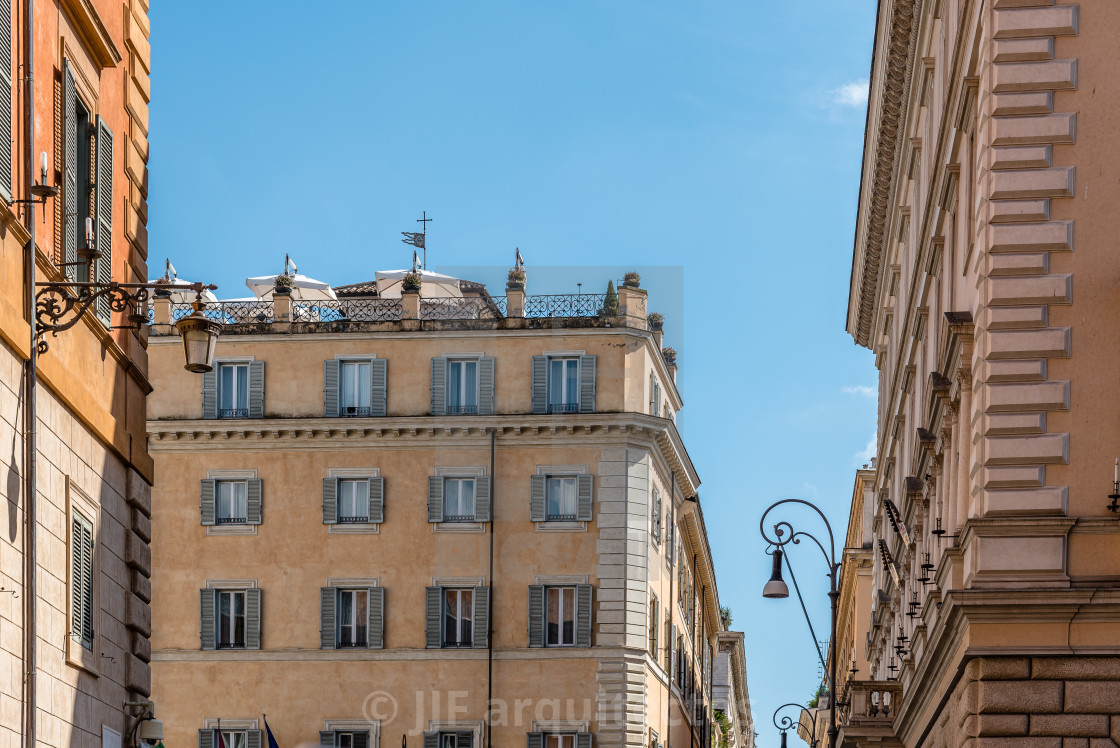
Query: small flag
{"x": 519, "y": 261}
{"x": 221, "y": 740}
{"x": 271, "y": 738}
{"x": 413, "y": 239}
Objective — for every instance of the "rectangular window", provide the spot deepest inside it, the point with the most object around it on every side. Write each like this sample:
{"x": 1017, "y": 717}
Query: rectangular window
{"x": 353, "y": 500}
{"x": 458, "y": 617}
{"x": 560, "y": 617}
{"x": 462, "y": 387}
{"x": 563, "y": 385}
{"x": 653, "y": 624}
{"x": 560, "y": 740}
{"x": 81, "y": 581}
{"x": 233, "y": 502}
{"x": 458, "y": 500}
{"x": 231, "y": 620}
{"x": 453, "y": 740}
{"x": 235, "y": 738}
{"x": 354, "y": 388}
{"x": 233, "y": 390}
{"x": 563, "y": 499}
{"x": 353, "y": 618}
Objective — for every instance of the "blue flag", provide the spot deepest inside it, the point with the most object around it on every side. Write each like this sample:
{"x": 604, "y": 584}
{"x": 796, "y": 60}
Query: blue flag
{"x": 271, "y": 738}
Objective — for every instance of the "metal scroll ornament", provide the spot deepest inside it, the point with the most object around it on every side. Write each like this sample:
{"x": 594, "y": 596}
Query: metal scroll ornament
{"x": 59, "y": 306}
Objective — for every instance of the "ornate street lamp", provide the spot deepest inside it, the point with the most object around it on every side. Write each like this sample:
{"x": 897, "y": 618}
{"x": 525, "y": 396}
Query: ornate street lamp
{"x": 776, "y": 587}
{"x": 786, "y": 723}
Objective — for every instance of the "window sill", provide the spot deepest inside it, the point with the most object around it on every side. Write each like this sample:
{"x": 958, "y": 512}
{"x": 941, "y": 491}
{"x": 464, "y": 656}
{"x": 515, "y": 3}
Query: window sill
{"x": 458, "y": 527}
{"x": 354, "y": 528}
{"x": 231, "y": 529}
{"x": 81, "y": 658}
{"x": 575, "y": 526}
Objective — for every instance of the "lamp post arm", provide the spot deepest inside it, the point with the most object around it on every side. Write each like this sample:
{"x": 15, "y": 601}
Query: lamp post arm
{"x": 784, "y": 527}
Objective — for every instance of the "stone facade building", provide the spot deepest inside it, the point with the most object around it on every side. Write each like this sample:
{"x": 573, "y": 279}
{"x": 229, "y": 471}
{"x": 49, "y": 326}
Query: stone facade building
{"x": 74, "y": 615}
{"x": 385, "y": 511}
{"x": 982, "y": 281}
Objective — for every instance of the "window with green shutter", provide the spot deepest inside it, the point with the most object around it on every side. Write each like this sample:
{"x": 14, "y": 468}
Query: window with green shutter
{"x": 103, "y": 215}
{"x": 6, "y": 98}
{"x": 81, "y": 581}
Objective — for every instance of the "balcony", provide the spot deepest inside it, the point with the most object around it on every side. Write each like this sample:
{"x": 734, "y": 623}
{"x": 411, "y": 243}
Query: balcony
{"x": 869, "y": 714}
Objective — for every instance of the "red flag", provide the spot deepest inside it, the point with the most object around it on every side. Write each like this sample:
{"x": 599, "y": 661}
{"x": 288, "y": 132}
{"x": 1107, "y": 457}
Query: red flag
{"x": 221, "y": 740}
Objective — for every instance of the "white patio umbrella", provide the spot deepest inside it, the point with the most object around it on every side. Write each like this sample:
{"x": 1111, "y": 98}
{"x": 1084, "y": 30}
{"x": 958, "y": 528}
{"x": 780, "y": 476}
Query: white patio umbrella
{"x": 185, "y": 296}
{"x": 303, "y": 288}
{"x": 432, "y": 285}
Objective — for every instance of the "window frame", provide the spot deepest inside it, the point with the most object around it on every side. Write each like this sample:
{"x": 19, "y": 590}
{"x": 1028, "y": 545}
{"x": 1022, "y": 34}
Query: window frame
{"x": 460, "y": 386}
{"x": 460, "y": 481}
{"x": 219, "y": 484}
{"x": 561, "y": 517}
{"x": 564, "y": 739}
{"x": 561, "y": 589}
{"x": 459, "y": 593}
{"x": 357, "y": 593}
{"x": 564, "y": 405}
{"x": 343, "y": 363}
{"x": 235, "y": 412}
{"x": 359, "y": 517}
{"x": 219, "y": 593}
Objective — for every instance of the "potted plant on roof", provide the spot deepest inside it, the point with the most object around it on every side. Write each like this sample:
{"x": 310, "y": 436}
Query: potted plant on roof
{"x": 163, "y": 293}
{"x": 610, "y": 303}
{"x": 515, "y": 281}
{"x": 410, "y": 283}
{"x": 656, "y": 321}
{"x": 670, "y": 356}
{"x": 632, "y": 280}
{"x": 284, "y": 285}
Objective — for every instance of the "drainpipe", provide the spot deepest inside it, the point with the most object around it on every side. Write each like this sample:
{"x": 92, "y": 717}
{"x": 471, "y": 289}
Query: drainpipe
{"x": 31, "y": 565}
{"x": 490, "y": 587}
{"x": 669, "y": 605}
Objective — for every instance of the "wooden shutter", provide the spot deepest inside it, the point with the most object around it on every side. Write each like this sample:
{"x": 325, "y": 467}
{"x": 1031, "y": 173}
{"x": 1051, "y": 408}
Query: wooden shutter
{"x": 486, "y": 386}
{"x": 654, "y": 622}
{"x": 208, "y": 511}
{"x": 330, "y": 388}
{"x": 253, "y": 502}
{"x": 326, "y": 738}
{"x": 70, "y": 170}
{"x": 81, "y": 582}
{"x": 256, "y": 389}
{"x": 672, "y": 653}
{"x": 7, "y": 143}
{"x": 376, "y": 617}
{"x": 439, "y": 386}
{"x": 585, "y": 484}
{"x": 465, "y": 739}
{"x": 432, "y": 599}
{"x": 103, "y": 220}
{"x": 481, "y": 617}
{"x": 378, "y": 379}
{"x": 253, "y": 618}
{"x": 253, "y": 738}
{"x": 656, "y": 515}
{"x": 536, "y": 615}
{"x": 534, "y": 740}
{"x": 538, "y": 498}
{"x": 435, "y": 498}
{"x": 376, "y": 500}
{"x": 207, "y": 627}
{"x": 210, "y": 393}
{"x": 583, "y": 740}
{"x": 328, "y": 600}
{"x": 330, "y": 501}
{"x": 482, "y": 498}
{"x": 361, "y": 739}
{"x": 586, "y": 384}
{"x": 206, "y": 739}
{"x": 540, "y": 391}
{"x": 583, "y": 615}
{"x": 431, "y": 740}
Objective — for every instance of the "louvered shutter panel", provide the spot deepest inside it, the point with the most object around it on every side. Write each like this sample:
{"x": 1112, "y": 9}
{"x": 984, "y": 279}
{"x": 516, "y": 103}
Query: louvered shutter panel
{"x": 210, "y": 393}
{"x": 672, "y": 653}
{"x": 583, "y": 740}
{"x": 431, "y": 740}
{"x": 6, "y": 140}
{"x": 253, "y": 502}
{"x": 585, "y": 484}
{"x": 656, "y": 518}
{"x": 486, "y": 386}
{"x": 87, "y": 585}
{"x": 330, "y": 388}
{"x": 208, "y": 491}
{"x": 361, "y": 739}
{"x": 103, "y": 202}
{"x": 432, "y": 599}
{"x": 439, "y": 386}
{"x": 330, "y": 501}
{"x": 536, "y": 615}
{"x": 377, "y": 617}
{"x": 328, "y": 600}
{"x": 378, "y": 378}
{"x": 534, "y": 740}
{"x": 253, "y": 618}
{"x": 465, "y": 739}
{"x": 206, "y": 739}
{"x": 655, "y": 623}
{"x": 482, "y": 498}
{"x": 256, "y": 389}
{"x": 538, "y": 487}
{"x": 77, "y": 580}
{"x": 586, "y": 384}
{"x": 583, "y": 615}
{"x": 326, "y": 738}
{"x": 435, "y": 498}
{"x": 70, "y": 171}
{"x": 540, "y": 390}
{"x": 481, "y": 617}
{"x": 253, "y": 738}
{"x": 207, "y": 630}
{"x": 376, "y": 500}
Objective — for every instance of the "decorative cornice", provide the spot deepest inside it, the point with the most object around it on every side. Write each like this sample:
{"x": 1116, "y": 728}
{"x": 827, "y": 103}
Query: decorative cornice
{"x": 891, "y": 72}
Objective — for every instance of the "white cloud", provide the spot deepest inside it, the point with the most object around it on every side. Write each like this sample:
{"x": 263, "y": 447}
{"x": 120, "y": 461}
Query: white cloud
{"x": 853, "y": 93}
{"x": 864, "y": 457}
{"x": 860, "y": 389}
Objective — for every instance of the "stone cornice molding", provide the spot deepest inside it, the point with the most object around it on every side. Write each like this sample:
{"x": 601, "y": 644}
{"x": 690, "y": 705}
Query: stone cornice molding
{"x": 91, "y": 28}
{"x": 891, "y": 72}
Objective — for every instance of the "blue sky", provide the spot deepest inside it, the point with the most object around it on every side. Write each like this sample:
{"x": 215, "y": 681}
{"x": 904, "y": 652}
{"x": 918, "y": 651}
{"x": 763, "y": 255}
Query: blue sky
{"x": 714, "y": 146}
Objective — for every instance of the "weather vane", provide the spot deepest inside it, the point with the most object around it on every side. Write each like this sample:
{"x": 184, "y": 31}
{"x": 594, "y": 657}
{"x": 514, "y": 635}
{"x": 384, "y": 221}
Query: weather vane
{"x": 417, "y": 239}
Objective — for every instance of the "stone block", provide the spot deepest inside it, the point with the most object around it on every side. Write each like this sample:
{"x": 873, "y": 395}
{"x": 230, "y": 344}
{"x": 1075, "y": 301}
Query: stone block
{"x": 1003, "y": 424}
{"x": 141, "y": 525}
{"x": 1020, "y": 211}
{"x": 140, "y": 46}
{"x": 1015, "y": 697}
{"x": 1021, "y": 157}
{"x": 1003, "y": 668}
{"x": 1034, "y": 263}
{"x": 1018, "y": 104}
{"x": 138, "y": 554}
{"x": 1013, "y": 477}
{"x": 1049, "y": 128}
{"x": 1077, "y": 743}
{"x": 1070, "y": 725}
{"x": 1057, "y": 20}
{"x": 141, "y": 646}
{"x": 1017, "y": 317}
{"x": 138, "y": 675}
{"x": 1051, "y": 342}
{"x": 1001, "y": 725}
{"x": 138, "y": 615}
{"x": 1076, "y": 668}
{"x": 1033, "y": 396}
{"x": 1053, "y": 75}
{"x": 1051, "y": 235}
{"x": 1027, "y": 501}
{"x": 1021, "y": 291}
{"x": 1024, "y": 50}
{"x": 1091, "y": 697}
{"x": 140, "y": 585}
{"x": 1018, "y": 742}
{"x": 1028, "y": 450}
{"x": 1023, "y": 182}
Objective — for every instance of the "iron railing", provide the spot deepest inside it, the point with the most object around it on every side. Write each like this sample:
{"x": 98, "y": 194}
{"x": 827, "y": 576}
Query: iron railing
{"x": 353, "y": 411}
{"x": 233, "y": 413}
{"x": 353, "y": 520}
{"x": 348, "y": 310}
{"x": 228, "y": 312}
{"x": 567, "y": 305}
{"x": 467, "y": 307}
